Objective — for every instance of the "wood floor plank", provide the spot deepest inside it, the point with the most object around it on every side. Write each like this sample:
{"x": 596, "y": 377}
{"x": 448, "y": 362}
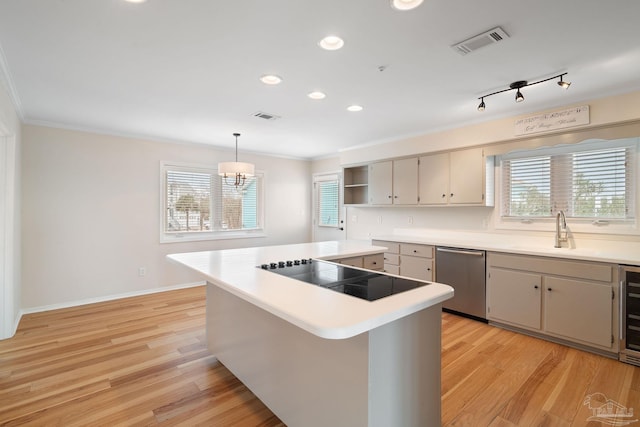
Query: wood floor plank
{"x": 144, "y": 361}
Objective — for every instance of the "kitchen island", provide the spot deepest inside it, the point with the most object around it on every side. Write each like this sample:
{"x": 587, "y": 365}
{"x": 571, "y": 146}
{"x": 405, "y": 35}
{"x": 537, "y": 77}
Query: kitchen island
{"x": 317, "y": 357}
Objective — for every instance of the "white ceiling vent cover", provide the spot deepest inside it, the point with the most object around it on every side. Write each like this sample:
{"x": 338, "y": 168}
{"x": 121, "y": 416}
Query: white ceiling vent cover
{"x": 494, "y": 35}
{"x": 266, "y": 116}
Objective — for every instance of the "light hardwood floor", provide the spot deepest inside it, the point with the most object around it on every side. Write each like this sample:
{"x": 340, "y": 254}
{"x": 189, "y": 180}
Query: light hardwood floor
{"x": 143, "y": 361}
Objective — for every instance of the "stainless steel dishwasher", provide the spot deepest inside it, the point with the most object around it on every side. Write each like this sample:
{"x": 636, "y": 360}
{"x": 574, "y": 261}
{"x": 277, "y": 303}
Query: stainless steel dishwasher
{"x": 464, "y": 270}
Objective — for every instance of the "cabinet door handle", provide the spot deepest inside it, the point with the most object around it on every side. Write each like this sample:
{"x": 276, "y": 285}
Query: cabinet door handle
{"x": 535, "y": 287}
{"x": 429, "y": 269}
{"x": 444, "y": 195}
{"x": 374, "y": 263}
{"x": 549, "y": 289}
{"x": 395, "y": 197}
{"x": 389, "y": 197}
{"x": 451, "y": 194}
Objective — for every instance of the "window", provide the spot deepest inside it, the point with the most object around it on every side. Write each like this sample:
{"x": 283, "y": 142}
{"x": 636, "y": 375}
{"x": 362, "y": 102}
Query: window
{"x": 593, "y": 180}
{"x": 328, "y": 203}
{"x": 198, "y": 204}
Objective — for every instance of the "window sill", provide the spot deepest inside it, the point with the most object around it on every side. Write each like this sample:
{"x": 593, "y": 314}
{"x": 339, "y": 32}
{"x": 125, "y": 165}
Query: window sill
{"x": 576, "y": 226}
{"x": 223, "y": 235}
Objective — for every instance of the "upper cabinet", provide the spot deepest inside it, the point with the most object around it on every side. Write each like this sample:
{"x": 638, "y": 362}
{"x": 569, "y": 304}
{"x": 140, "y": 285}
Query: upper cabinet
{"x": 394, "y": 182}
{"x": 434, "y": 179}
{"x": 463, "y": 177}
{"x": 356, "y": 185}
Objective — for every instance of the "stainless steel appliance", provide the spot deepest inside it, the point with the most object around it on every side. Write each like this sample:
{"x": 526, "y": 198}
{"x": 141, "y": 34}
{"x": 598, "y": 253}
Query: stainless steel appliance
{"x": 630, "y": 314}
{"x": 359, "y": 283}
{"x": 464, "y": 270}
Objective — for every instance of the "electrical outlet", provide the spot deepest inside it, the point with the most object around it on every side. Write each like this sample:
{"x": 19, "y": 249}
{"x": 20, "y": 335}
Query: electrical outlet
{"x": 379, "y": 220}
{"x": 142, "y": 272}
{"x": 409, "y": 220}
{"x": 354, "y": 218}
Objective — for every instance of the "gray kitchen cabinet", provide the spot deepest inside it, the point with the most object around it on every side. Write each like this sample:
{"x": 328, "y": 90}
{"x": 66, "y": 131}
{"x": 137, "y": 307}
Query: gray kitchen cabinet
{"x": 433, "y": 174}
{"x": 408, "y": 259}
{"x": 462, "y": 177}
{"x": 571, "y": 300}
{"x": 394, "y": 182}
{"x": 579, "y": 310}
{"x": 381, "y": 183}
{"x": 391, "y": 256}
{"x": 514, "y": 297}
{"x": 416, "y": 261}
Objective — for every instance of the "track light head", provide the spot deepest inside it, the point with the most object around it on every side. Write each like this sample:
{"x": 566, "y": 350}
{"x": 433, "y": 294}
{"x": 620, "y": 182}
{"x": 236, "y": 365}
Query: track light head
{"x": 481, "y": 106}
{"x": 564, "y": 85}
{"x": 517, "y": 85}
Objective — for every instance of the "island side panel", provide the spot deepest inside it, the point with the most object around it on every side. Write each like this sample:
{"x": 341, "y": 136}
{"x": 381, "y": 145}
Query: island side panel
{"x": 305, "y": 380}
{"x": 405, "y": 360}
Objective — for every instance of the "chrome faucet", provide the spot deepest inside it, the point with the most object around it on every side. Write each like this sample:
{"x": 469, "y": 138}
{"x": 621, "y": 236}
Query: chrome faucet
{"x": 561, "y": 230}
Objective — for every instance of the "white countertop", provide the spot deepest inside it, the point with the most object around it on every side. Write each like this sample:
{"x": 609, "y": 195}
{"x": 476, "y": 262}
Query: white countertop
{"x": 617, "y": 252}
{"x": 320, "y": 311}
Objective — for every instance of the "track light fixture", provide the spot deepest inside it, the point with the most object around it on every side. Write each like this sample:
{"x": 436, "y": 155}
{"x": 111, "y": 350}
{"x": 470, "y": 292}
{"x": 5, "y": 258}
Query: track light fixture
{"x": 481, "y": 106}
{"x": 563, "y": 84}
{"x": 523, "y": 83}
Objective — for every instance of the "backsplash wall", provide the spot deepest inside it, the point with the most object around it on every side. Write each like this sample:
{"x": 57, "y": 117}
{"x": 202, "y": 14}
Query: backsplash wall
{"x": 367, "y": 222}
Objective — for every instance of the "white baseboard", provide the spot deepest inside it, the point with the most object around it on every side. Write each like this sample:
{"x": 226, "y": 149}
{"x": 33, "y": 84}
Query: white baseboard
{"x": 103, "y": 299}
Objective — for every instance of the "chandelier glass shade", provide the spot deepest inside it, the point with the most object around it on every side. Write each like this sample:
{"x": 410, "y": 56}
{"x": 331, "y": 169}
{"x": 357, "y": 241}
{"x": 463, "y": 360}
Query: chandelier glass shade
{"x": 238, "y": 170}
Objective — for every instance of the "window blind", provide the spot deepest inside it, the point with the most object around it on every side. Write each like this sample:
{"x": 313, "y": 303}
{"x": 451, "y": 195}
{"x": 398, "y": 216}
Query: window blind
{"x": 594, "y": 180}
{"x": 198, "y": 200}
{"x": 527, "y": 187}
{"x": 237, "y": 207}
{"x": 328, "y": 203}
{"x": 188, "y": 200}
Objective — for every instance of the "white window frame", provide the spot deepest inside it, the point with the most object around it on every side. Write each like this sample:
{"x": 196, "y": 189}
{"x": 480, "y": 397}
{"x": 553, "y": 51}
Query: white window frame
{"x": 576, "y": 224}
{"x": 327, "y": 178}
{"x": 166, "y": 237}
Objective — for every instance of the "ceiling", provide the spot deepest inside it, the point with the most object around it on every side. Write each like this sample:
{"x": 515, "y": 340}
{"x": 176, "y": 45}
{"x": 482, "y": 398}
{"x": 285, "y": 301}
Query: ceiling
{"x": 188, "y": 70}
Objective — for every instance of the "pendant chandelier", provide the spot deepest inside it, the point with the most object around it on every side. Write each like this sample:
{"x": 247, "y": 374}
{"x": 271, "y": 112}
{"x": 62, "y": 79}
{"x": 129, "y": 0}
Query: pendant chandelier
{"x": 238, "y": 170}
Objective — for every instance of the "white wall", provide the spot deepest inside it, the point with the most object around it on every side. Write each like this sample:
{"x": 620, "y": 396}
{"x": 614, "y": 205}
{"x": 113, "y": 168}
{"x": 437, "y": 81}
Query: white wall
{"x": 10, "y": 283}
{"x": 615, "y": 109}
{"x": 91, "y": 213}
{"x": 363, "y": 223}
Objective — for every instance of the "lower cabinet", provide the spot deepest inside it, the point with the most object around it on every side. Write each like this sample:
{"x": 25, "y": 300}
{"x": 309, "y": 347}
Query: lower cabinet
{"x": 408, "y": 259}
{"x": 567, "y": 299}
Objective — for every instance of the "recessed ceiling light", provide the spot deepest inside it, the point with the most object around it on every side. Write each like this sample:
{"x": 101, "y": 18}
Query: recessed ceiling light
{"x": 354, "y": 108}
{"x": 271, "y": 79}
{"x": 405, "y": 4}
{"x": 331, "y": 43}
{"x": 317, "y": 95}
{"x": 135, "y": 1}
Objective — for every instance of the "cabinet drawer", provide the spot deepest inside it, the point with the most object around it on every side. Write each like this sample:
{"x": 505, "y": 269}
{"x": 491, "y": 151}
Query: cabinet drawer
{"x": 392, "y": 247}
{"x": 373, "y": 262}
{"x": 391, "y": 259}
{"x": 425, "y": 251}
{"x": 416, "y": 267}
{"x": 392, "y": 269}
{"x": 353, "y": 262}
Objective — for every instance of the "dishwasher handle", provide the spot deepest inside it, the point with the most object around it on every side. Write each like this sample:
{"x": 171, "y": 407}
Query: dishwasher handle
{"x": 461, "y": 252}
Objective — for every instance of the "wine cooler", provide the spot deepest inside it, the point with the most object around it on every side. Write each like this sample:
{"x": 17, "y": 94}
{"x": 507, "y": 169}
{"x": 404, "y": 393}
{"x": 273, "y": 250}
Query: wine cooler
{"x": 630, "y": 315}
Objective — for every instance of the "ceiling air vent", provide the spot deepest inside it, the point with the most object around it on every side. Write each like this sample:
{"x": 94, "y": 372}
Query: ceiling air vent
{"x": 265, "y": 116}
{"x": 494, "y": 35}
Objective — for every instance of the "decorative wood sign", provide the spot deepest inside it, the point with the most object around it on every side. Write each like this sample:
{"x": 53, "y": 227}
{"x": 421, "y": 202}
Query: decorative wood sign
{"x": 570, "y": 117}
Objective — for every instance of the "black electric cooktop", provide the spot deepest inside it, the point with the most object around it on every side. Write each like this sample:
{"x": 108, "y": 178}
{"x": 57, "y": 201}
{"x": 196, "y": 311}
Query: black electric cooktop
{"x": 364, "y": 284}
